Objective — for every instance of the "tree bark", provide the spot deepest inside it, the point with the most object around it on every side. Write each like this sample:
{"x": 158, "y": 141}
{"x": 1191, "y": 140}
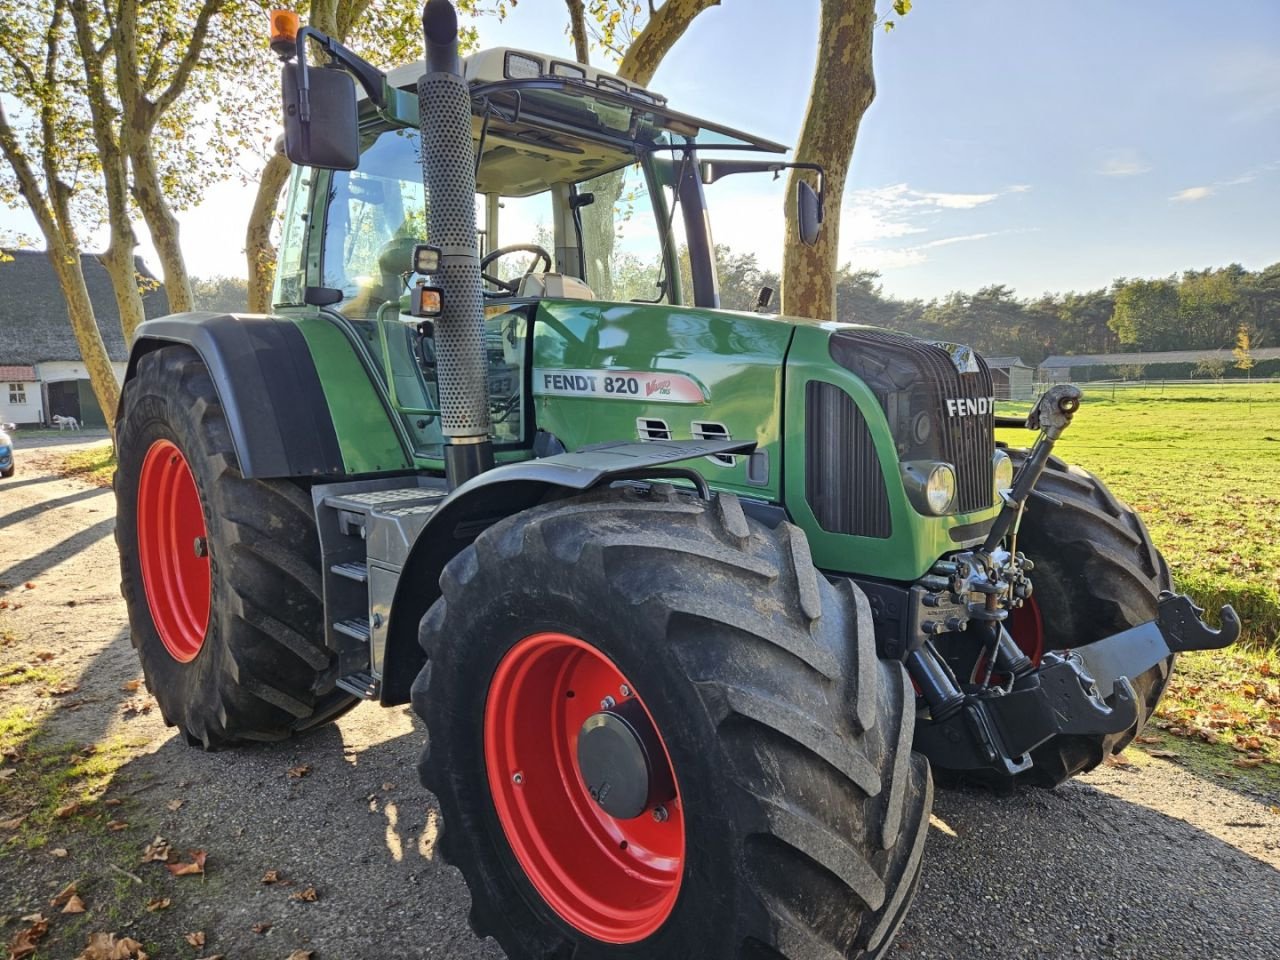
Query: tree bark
{"x": 664, "y": 27}
{"x": 259, "y": 250}
{"x": 84, "y": 324}
{"x": 843, "y": 88}
{"x": 578, "y": 30}
{"x": 162, "y": 225}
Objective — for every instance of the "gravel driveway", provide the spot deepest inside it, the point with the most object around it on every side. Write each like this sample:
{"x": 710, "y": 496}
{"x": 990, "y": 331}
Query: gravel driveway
{"x": 1141, "y": 861}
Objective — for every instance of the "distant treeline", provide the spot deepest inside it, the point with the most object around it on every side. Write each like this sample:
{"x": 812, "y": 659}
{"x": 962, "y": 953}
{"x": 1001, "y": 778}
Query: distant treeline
{"x": 1201, "y": 309}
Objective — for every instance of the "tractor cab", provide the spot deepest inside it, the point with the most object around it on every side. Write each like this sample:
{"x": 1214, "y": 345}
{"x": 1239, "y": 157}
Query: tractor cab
{"x": 588, "y": 189}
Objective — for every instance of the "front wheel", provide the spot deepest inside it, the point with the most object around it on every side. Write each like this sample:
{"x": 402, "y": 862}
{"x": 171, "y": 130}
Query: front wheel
{"x": 655, "y": 730}
{"x": 221, "y": 574}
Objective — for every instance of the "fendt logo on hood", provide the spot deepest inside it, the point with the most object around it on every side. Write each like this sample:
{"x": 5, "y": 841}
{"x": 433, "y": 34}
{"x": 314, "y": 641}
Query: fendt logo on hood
{"x": 970, "y": 406}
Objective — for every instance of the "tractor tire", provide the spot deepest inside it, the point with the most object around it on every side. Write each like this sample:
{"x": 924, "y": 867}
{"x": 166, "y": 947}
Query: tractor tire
{"x": 220, "y": 574}
{"x": 797, "y": 813}
{"x": 1096, "y": 573}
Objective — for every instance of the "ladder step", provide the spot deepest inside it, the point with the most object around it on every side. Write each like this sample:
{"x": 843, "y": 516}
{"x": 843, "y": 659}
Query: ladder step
{"x": 363, "y": 685}
{"x": 356, "y": 570}
{"x": 356, "y": 629}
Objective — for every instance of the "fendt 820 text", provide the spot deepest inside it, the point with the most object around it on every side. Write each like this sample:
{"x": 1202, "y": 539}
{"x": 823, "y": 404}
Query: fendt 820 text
{"x": 694, "y": 604}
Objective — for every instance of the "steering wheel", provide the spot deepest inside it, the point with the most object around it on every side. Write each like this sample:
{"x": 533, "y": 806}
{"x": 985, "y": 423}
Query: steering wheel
{"x": 513, "y": 286}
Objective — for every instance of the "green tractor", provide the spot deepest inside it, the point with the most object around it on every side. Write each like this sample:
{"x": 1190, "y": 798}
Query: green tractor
{"x": 690, "y": 601}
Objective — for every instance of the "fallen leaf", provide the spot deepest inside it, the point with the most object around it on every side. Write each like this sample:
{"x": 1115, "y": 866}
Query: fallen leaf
{"x": 24, "y": 943}
{"x": 262, "y": 927}
{"x": 196, "y": 938}
{"x": 130, "y": 686}
{"x": 113, "y": 802}
{"x": 309, "y": 895}
{"x": 157, "y": 849}
{"x": 1147, "y": 738}
{"x": 59, "y": 852}
{"x": 117, "y": 825}
{"x": 65, "y": 894}
{"x": 8, "y": 772}
{"x": 74, "y": 905}
{"x": 67, "y": 810}
{"x": 388, "y": 786}
{"x": 300, "y": 955}
{"x": 196, "y": 865}
{"x": 271, "y": 876}
{"x": 45, "y": 655}
{"x": 13, "y": 824}
{"x": 1264, "y": 668}
{"x": 175, "y": 804}
{"x": 158, "y": 903}
{"x": 105, "y": 946}
{"x": 1162, "y": 754}
{"x": 1116, "y": 760}
{"x": 29, "y": 585}
{"x": 1247, "y": 762}
{"x": 300, "y": 771}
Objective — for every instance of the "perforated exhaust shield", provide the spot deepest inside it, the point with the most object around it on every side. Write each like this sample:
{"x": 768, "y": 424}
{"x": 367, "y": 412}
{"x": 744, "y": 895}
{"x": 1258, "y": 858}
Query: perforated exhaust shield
{"x": 448, "y": 173}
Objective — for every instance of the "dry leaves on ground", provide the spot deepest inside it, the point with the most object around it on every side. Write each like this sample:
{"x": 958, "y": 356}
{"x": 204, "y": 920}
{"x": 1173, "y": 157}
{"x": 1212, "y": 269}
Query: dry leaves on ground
{"x": 196, "y": 938}
{"x": 271, "y": 876}
{"x": 262, "y": 927}
{"x": 24, "y": 942}
{"x": 156, "y": 904}
{"x": 157, "y": 849}
{"x": 196, "y": 866}
{"x": 106, "y": 946}
{"x": 300, "y": 771}
{"x": 308, "y": 895}
{"x": 300, "y": 955}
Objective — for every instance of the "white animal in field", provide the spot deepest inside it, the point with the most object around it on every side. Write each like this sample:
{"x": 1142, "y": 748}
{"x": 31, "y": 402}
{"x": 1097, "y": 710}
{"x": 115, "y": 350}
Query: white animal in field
{"x": 66, "y": 423}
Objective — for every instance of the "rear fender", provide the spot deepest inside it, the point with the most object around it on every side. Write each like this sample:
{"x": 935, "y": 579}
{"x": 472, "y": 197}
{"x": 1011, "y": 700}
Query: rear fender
{"x": 265, "y": 373}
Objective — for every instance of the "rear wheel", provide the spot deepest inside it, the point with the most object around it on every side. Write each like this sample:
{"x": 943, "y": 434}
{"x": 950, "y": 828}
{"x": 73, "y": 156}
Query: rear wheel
{"x": 220, "y": 574}
{"x": 1096, "y": 573}
{"x": 655, "y": 730}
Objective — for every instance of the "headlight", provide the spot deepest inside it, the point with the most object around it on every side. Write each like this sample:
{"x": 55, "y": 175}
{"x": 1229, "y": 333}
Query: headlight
{"x": 1002, "y": 472}
{"x": 931, "y": 485}
{"x": 940, "y": 488}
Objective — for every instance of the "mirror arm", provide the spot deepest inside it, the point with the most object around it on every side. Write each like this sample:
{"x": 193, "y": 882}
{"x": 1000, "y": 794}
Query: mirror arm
{"x": 366, "y": 74}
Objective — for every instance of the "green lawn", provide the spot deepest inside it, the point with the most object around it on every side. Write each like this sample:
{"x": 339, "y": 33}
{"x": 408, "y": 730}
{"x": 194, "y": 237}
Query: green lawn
{"x": 1202, "y": 465}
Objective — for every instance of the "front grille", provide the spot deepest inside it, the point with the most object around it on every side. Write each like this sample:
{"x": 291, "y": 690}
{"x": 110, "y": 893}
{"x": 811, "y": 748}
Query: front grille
{"x": 843, "y": 481}
{"x": 914, "y": 380}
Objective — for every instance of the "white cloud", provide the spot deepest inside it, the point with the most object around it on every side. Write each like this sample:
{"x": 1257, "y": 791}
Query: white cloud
{"x": 1200, "y": 193}
{"x": 1123, "y": 163}
{"x": 1192, "y": 193}
{"x": 1020, "y": 188}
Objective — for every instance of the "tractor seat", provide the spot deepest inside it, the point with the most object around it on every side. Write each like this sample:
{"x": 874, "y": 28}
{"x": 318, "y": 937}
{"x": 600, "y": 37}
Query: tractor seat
{"x": 554, "y": 286}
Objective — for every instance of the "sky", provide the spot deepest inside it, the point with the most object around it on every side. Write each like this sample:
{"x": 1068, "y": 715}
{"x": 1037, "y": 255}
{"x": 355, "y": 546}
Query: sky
{"x": 1045, "y": 145}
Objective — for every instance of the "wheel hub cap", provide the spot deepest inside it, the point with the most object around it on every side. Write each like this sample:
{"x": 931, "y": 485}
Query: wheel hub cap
{"x": 621, "y": 761}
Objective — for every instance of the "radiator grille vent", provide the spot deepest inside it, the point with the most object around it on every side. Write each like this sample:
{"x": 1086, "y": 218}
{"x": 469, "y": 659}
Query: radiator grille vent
{"x": 843, "y": 481}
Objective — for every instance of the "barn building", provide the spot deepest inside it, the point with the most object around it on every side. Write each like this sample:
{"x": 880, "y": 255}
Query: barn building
{"x": 41, "y": 372}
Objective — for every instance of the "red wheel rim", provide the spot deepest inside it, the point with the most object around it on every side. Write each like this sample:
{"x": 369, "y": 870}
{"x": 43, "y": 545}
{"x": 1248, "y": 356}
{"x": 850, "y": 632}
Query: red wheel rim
{"x": 173, "y": 550}
{"x": 615, "y": 880}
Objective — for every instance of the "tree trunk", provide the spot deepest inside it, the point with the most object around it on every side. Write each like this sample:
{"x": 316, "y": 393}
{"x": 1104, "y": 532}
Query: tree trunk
{"x": 162, "y": 225}
{"x": 578, "y": 30}
{"x": 664, "y": 27}
{"x": 843, "y": 88}
{"x": 102, "y": 376}
{"x": 259, "y": 250}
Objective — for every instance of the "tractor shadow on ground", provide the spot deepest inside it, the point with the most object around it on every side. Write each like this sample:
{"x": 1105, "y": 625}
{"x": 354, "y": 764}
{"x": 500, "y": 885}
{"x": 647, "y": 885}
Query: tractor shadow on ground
{"x": 1077, "y": 872}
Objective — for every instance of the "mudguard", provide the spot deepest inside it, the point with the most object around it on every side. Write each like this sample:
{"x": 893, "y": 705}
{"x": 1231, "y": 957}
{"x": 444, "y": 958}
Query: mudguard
{"x": 266, "y": 379}
{"x": 498, "y": 493}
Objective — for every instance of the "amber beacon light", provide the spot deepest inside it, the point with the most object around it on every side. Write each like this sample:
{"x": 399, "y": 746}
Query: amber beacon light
{"x": 284, "y": 31}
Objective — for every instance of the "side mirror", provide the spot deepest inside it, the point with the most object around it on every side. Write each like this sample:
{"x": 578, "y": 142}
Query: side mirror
{"x": 808, "y": 213}
{"x": 329, "y": 137}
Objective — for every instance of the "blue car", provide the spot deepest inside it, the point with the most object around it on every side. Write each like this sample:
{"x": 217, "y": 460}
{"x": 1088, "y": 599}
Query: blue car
{"x": 6, "y": 452}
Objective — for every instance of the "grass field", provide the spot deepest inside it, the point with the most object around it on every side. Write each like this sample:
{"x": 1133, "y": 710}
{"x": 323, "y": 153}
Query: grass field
{"x": 1202, "y": 465}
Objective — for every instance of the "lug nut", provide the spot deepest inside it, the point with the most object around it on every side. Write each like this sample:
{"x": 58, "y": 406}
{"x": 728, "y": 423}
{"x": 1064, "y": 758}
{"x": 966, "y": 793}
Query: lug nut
{"x": 626, "y": 691}
{"x": 201, "y": 547}
{"x": 660, "y": 814}
{"x": 517, "y": 778}
{"x": 608, "y": 702}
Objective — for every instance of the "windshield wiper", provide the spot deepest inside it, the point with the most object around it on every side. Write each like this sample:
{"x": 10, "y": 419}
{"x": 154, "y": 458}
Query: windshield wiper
{"x": 663, "y": 280}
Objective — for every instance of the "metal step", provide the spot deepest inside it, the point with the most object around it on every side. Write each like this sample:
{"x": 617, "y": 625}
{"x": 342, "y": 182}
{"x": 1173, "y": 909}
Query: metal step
{"x": 363, "y": 685}
{"x": 365, "y": 500}
{"x": 356, "y": 629}
{"x": 356, "y": 570}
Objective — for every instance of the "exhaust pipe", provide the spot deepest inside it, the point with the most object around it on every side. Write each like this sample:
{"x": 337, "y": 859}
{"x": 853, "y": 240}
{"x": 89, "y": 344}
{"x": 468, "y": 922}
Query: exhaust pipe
{"x": 449, "y": 177}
